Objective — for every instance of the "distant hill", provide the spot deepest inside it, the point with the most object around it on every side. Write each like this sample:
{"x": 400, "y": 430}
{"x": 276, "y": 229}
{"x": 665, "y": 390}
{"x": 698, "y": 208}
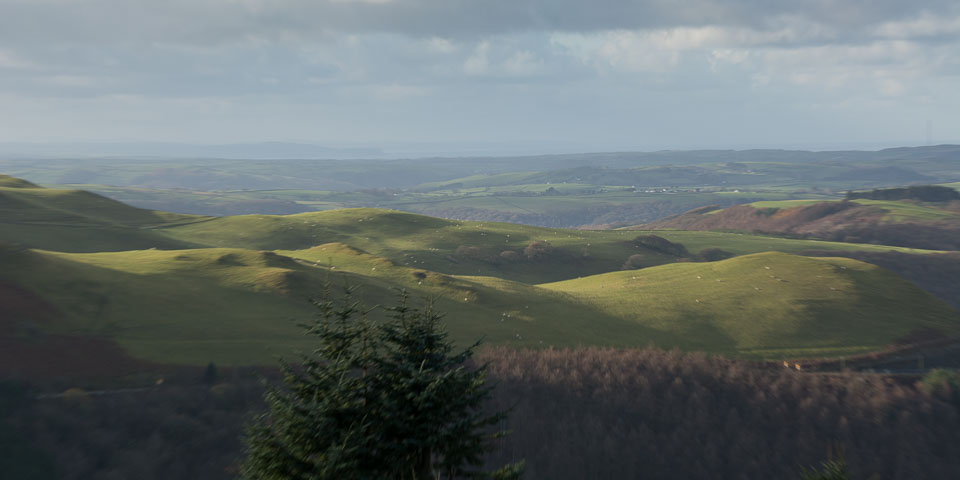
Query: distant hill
{"x": 922, "y": 193}
{"x": 606, "y": 189}
{"x": 907, "y": 223}
{"x": 849, "y": 169}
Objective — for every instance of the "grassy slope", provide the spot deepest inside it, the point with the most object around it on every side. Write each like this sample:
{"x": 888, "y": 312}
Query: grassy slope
{"x": 768, "y": 304}
{"x": 166, "y": 305}
{"x": 242, "y": 307}
{"x": 743, "y": 243}
{"x": 896, "y": 211}
{"x": 420, "y": 241}
{"x": 431, "y": 243}
{"x": 7, "y": 181}
{"x": 234, "y": 306}
{"x": 74, "y": 220}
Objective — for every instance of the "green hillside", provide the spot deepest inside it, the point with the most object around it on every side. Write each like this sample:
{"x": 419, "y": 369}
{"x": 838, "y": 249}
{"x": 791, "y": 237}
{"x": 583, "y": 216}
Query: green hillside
{"x": 78, "y": 221}
{"x": 769, "y": 304}
{"x": 7, "y": 181}
{"x": 905, "y": 223}
{"x": 235, "y": 306}
{"x": 243, "y": 307}
{"x": 432, "y": 243}
{"x": 894, "y": 210}
{"x": 425, "y": 242}
{"x": 187, "y": 289}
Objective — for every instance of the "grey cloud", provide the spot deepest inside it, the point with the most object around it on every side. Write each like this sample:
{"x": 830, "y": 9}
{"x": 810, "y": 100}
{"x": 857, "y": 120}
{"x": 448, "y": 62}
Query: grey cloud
{"x": 424, "y": 69}
{"x": 214, "y": 21}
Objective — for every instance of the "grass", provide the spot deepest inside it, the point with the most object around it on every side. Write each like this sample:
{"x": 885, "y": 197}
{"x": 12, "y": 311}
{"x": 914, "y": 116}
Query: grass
{"x": 431, "y": 243}
{"x": 896, "y": 211}
{"x": 236, "y": 306}
{"x": 786, "y": 203}
{"x": 766, "y": 303}
{"x": 473, "y": 181}
{"x": 232, "y": 290}
{"x": 900, "y": 211}
{"x": 744, "y": 243}
{"x": 79, "y": 221}
{"x": 577, "y": 203}
{"x": 7, "y": 181}
{"x": 422, "y": 242}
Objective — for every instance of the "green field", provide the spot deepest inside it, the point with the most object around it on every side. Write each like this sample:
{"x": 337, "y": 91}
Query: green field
{"x": 588, "y": 189}
{"x": 896, "y": 210}
{"x": 79, "y": 221}
{"x": 766, "y": 304}
{"x": 232, "y": 290}
{"x": 431, "y": 243}
{"x": 566, "y": 205}
{"x": 235, "y": 306}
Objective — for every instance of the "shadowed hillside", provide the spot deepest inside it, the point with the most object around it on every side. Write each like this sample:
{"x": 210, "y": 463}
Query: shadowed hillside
{"x": 239, "y": 306}
{"x": 238, "y": 294}
{"x": 767, "y": 304}
{"x": 907, "y": 223}
{"x": 938, "y": 274}
{"x": 469, "y": 248}
{"x": 78, "y": 221}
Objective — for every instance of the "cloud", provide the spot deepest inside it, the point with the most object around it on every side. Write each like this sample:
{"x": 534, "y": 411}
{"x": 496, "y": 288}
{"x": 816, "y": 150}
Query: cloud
{"x": 230, "y": 21}
{"x": 477, "y": 64}
{"x": 926, "y": 25}
{"x": 12, "y": 61}
{"x": 603, "y": 59}
{"x": 395, "y": 92}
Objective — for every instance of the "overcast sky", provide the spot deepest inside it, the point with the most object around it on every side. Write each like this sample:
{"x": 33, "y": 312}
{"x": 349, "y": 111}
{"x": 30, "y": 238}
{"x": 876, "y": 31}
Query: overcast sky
{"x": 597, "y": 75}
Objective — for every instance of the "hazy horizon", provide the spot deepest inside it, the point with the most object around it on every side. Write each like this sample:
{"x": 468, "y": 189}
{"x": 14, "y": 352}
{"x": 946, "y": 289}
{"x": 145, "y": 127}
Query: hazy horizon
{"x": 372, "y": 151}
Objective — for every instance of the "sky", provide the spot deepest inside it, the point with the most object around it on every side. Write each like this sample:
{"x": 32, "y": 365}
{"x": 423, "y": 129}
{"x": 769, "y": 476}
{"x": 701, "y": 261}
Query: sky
{"x": 554, "y": 75}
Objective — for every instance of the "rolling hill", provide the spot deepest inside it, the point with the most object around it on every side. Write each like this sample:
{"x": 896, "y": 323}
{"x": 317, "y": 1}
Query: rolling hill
{"x": 232, "y": 290}
{"x": 615, "y": 189}
{"x": 768, "y": 304}
{"x": 435, "y": 244}
{"x": 908, "y": 223}
{"x": 78, "y": 221}
{"x": 235, "y": 306}
{"x": 238, "y": 306}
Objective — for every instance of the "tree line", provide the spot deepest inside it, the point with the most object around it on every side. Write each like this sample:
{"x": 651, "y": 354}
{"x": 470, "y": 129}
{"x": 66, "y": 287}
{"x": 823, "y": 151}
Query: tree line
{"x": 578, "y": 413}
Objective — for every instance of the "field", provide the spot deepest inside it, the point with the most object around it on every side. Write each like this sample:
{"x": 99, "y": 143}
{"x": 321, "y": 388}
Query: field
{"x": 894, "y": 211}
{"x": 234, "y": 290}
{"x": 235, "y": 306}
{"x": 769, "y": 304}
{"x": 608, "y": 189}
{"x": 432, "y": 243}
{"x": 76, "y": 220}
{"x": 566, "y": 205}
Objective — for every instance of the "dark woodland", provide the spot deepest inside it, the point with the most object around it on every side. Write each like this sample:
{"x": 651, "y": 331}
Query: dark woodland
{"x": 589, "y": 413}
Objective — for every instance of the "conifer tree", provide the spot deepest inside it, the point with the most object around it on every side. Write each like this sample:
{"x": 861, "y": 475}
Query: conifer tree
{"x": 375, "y": 401}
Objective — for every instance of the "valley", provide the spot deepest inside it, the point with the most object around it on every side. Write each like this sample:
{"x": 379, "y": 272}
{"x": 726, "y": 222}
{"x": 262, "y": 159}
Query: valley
{"x": 188, "y": 289}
